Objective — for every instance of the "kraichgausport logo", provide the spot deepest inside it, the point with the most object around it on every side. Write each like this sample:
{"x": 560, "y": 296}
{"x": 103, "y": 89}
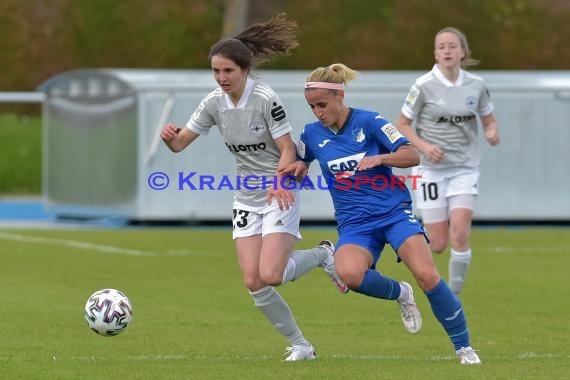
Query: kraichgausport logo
{"x": 200, "y": 182}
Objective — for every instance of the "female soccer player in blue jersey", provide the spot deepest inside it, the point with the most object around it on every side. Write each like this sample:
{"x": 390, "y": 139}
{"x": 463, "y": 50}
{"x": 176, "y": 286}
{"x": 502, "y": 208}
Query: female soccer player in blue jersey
{"x": 446, "y": 103}
{"x": 356, "y": 150}
{"x": 249, "y": 113}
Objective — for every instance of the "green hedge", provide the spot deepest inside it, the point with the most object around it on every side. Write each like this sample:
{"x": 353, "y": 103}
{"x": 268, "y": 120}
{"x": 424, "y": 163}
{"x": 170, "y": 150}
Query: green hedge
{"x": 20, "y": 155}
{"x": 40, "y": 39}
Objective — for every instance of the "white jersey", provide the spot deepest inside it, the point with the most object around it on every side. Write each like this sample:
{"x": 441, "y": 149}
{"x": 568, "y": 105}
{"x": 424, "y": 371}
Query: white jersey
{"x": 248, "y": 130}
{"x": 446, "y": 115}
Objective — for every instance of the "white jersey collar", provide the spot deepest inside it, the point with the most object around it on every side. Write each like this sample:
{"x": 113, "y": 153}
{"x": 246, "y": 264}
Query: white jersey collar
{"x": 439, "y": 75}
{"x": 246, "y": 91}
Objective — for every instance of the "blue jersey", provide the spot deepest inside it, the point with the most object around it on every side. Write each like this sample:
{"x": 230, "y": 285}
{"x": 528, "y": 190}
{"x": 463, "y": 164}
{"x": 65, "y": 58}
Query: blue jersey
{"x": 358, "y": 196}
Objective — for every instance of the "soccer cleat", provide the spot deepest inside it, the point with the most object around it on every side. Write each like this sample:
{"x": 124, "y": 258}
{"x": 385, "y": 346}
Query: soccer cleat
{"x": 467, "y": 355}
{"x": 329, "y": 268}
{"x": 298, "y": 353}
{"x": 409, "y": 311}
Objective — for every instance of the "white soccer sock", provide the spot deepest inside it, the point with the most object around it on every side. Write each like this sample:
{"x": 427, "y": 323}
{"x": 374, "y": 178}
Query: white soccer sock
{"x": 274, "y": 307}
{"x": 301, "y": 262}
{"x": 458, "y": 265}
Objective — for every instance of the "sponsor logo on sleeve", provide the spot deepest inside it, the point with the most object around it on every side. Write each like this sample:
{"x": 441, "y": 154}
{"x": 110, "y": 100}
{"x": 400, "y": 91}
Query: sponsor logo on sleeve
{"x": 391, "y": 132}
{"x": 301, "y": 149}
{"x": 412, "y": 96}
{"x": 277, "y": 112}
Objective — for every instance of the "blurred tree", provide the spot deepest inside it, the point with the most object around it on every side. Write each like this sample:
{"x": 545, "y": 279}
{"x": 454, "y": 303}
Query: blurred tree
{"x": 239, "y": 14}
{"x": 235, "y": 17}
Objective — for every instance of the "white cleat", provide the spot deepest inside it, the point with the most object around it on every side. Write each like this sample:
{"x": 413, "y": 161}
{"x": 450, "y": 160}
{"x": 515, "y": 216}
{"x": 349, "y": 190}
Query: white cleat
{"x": 409, "y": 311}
{"x": 467, "y": 355}
{"x": 329, "y": 268}
{"x": 298, "y": 353}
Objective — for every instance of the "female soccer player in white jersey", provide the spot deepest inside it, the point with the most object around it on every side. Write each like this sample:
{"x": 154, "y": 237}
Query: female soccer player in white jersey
{"x": 248, "y": 113}
{"x": 372, "y": 206}
{"x": 446, "y": 103}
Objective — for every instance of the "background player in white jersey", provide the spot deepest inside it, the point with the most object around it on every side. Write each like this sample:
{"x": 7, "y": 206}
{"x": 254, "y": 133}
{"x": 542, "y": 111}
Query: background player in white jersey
{"x": 255, "y": 129}
{"x": 446, "y": 104}
{"x": 372, "y": 207}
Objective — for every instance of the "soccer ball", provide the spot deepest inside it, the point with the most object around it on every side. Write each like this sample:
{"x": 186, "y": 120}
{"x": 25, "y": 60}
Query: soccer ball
{"x": 108, "y": 312}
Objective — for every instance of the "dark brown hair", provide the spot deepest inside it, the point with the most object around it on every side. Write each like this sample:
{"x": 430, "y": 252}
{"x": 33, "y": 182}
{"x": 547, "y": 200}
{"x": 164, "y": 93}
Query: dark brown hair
{"x": 259, "y": 43}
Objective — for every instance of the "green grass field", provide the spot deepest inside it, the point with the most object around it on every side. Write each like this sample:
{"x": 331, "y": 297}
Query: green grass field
{"x": 193, "y": 318}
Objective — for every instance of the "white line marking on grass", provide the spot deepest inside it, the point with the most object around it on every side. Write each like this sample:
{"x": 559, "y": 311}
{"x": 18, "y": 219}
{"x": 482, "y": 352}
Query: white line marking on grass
{"x": 76, "y": 244}
{"x": 437, "y": 358}
{"x": 157, "y": 357}
{"x": 103, "y": 248}
{"x": 500, "y": 249}
{"x": 534, "y": 355}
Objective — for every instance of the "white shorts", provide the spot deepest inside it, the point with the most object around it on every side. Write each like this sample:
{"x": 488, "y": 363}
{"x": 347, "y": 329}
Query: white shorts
{"x": 438, "y": 191}
{"x": 266, "y": 219}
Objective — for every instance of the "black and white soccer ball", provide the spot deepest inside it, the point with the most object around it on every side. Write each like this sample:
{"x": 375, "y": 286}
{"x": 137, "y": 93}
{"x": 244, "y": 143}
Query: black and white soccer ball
{"x": 108, "y": 312}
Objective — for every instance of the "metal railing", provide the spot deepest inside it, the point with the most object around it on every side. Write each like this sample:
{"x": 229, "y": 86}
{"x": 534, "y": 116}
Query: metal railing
{"x": 22, "y": 97}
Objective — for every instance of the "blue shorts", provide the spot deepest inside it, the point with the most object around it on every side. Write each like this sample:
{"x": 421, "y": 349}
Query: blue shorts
{"x": 393, "y": 229}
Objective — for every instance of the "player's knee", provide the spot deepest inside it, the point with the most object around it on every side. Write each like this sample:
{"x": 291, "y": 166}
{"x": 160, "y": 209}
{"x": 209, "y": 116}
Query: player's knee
{"x": 438, "y": 245}
{"x": 427, "y": 280}
{"x": 253, "y": 283}
{"x": 352, "y": 277}
{"x": 273, "y": 278}
{"x": 460, "y": 239}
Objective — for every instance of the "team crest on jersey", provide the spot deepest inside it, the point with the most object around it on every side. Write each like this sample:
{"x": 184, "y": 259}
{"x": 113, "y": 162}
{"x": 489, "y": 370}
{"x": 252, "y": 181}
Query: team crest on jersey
{"x": 346, "y": 166}
{"x": 358, "y": 135}
{"x": 391, "y": 132}
{"x": 412, "y": 96}
{"x": 256, "y": 128}
{"x": 471, "y": 102}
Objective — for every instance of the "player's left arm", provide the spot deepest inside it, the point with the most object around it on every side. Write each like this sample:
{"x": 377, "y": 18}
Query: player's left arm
{"x": 491, "y": 129}
{"x": 402, "y": 154}
{"x": 405, "y": 156}
{"x": 287, "y": 148}
{"x": 487, "y": 118}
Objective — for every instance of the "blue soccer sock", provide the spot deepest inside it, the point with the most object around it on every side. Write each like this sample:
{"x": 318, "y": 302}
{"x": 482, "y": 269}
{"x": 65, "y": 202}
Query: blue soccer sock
{"x": 449, "y": 312}
{"x": 378, "y": 286}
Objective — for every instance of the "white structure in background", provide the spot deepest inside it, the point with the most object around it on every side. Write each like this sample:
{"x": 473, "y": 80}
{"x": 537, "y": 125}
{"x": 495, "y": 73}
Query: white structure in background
{"x": 101, "y": 143}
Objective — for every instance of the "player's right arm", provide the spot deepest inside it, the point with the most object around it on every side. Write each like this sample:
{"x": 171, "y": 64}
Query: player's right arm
{"x": 413, "y": 105}
{"x": 177, "y": 139}
{"x": 432, "y": 152}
